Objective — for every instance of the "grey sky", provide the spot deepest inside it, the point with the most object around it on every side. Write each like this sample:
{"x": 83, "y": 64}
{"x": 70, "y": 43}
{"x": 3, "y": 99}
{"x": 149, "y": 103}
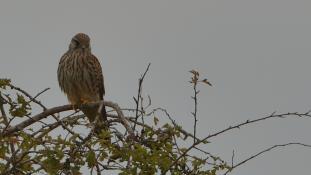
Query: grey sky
{"x": 256, "y": 53}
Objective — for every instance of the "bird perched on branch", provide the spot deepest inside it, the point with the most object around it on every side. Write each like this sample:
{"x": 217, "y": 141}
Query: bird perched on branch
{"x": 80, "y": 76}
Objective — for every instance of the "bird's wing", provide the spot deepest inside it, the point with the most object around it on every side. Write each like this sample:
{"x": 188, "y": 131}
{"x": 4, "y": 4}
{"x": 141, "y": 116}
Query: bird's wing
{"x": 98, "y": 75}
{"x": 61, "y": 73}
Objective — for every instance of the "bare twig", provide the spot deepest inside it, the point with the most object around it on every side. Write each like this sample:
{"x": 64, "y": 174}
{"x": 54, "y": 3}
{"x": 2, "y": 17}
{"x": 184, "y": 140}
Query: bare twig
{"x": 34, "y": 98}
{"x": 232, "y": 158}
{"x": 195, "y": 98}
{"x": 262, "y": 152}
{"x": 195, "y": 81}
{"x": 137, "y": 99}
{"x": 29, "y": 96}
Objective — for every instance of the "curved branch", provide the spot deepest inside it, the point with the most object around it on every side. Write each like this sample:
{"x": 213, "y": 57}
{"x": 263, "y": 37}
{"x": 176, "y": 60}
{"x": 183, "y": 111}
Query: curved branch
{"x": 63, "y": 108}
{"x": 120, "y": 115}
{"x": 36, "y": 118}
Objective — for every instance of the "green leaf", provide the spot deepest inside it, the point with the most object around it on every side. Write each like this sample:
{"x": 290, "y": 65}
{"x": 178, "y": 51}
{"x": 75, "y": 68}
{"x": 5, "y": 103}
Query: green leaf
{"x": 3, "y": 150}
{"x": 91, "y": 159}
{"x": 207, "y": 82}
{"x": 21, "y": 99}
{"x": 51, "y": 164}
{"x": 4, "y": 82}
{"x": 194, "y": 72}
{"x": 205, "y": 141}
{"x": 20, "y": 108}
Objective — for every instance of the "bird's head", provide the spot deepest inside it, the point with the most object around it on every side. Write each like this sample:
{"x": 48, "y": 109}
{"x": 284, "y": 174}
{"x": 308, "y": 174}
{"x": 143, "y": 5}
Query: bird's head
{"x": 80, "y": 41}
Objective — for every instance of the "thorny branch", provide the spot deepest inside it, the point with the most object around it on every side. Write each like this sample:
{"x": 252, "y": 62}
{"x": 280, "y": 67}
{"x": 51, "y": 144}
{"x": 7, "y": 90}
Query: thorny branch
{"x": 195, "y": 80}
{"x": 262, "y": 152}
{"x": 273, "y": 115}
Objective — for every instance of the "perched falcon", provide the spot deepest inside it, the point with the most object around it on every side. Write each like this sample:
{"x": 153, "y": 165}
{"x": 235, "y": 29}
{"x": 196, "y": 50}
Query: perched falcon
{"x": 80, "y": 76}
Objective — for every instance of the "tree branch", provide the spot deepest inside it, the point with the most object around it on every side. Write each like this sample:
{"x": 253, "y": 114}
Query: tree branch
{"x": 262, "y": 152}
{"x": 140, "y": 83}
{"x": 63, "y": 108}
{"x": 273, "y": 115}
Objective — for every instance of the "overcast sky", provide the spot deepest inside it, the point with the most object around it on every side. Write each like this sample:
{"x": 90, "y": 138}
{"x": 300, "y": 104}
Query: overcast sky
{"x": 257, "y": 54}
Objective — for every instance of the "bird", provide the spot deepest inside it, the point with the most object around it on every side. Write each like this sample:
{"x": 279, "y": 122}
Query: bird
{"x": 80, "y": 76}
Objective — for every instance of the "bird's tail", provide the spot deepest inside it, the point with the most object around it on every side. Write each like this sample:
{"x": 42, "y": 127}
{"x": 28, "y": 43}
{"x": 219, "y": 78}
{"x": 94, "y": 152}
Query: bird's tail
{"x": 91, "y": 113}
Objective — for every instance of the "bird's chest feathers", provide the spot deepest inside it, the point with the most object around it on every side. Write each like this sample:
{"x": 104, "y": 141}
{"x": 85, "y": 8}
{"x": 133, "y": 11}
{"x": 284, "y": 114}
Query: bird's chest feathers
{"x": 78, "y": 68}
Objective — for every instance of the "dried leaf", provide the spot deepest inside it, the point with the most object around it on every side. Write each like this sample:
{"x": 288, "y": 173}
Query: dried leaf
{"x": 206, "y": 82}
{"x": 194, "y": 72}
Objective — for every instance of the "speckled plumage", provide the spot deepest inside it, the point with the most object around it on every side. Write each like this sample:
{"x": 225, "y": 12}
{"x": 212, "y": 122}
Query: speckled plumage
{"x": 80, "y": 75}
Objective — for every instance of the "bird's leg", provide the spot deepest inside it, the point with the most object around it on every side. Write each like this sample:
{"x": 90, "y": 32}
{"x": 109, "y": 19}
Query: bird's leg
{"x": 83, "y": 101}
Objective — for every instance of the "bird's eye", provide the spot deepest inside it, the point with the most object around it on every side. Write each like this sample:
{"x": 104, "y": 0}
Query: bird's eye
{"x": 74, "y": 43}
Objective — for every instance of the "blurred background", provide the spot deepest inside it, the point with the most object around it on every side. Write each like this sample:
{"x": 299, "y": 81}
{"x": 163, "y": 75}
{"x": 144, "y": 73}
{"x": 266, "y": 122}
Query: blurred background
{"x": 255, "y": 53}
